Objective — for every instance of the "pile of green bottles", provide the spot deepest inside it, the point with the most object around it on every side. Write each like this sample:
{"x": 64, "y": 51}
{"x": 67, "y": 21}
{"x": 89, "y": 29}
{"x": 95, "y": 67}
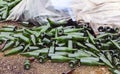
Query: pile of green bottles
{"x": 108, "y": 29}
{"x": 6, "y": 6}
{"x": 62, "y": 42}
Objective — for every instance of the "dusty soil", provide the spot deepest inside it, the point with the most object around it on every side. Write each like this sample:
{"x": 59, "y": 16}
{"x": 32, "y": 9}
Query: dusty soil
{"x": 14, "y": 65}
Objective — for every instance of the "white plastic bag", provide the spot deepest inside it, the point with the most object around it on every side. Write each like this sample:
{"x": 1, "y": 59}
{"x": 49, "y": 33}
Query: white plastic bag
{"x": 97, "y": 11}
{"x": 36, "y": 11}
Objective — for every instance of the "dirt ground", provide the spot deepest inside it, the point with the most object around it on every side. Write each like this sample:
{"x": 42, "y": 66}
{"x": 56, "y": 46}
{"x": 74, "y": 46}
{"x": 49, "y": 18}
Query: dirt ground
{"x": 14, "y": 65}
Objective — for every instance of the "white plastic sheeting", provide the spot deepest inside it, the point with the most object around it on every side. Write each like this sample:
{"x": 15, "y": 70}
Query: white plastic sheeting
{"x": 36, "y": 11}
{"x": 97, "y": 11}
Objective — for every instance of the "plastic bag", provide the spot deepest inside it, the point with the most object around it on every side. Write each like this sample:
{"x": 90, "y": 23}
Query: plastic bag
{"x": 97, "y": 11}
{"x": 36, "y": 11}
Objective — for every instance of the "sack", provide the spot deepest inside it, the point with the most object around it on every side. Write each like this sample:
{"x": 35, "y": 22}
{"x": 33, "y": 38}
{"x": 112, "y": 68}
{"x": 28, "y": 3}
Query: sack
{"x": 36, "y": 11}
{"x": 97, "y": 11}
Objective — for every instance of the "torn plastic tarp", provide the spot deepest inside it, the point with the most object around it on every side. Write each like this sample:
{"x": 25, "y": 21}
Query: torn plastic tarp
{"x": 36, "y": 11}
